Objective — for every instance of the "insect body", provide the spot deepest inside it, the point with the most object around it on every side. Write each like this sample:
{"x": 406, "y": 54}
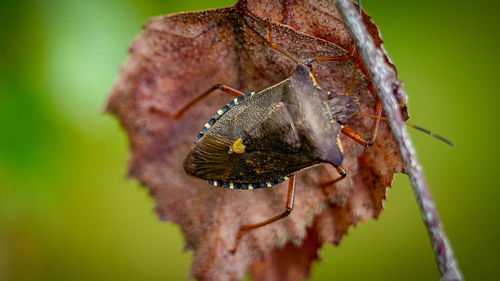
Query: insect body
{"x": 260, "y": 139}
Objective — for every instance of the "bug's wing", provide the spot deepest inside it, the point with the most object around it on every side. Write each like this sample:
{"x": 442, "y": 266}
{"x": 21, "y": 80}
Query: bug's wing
{"x": 273, "y": 149}
{"x": 268, "y": 166}
{"x": 275, "y": 132}
{"x": 210, "y": 158}
{"x": 247, "y": 113}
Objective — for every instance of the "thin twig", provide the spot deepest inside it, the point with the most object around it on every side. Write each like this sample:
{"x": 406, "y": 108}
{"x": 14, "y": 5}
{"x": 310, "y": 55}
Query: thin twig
{"x": 384, "y": 79}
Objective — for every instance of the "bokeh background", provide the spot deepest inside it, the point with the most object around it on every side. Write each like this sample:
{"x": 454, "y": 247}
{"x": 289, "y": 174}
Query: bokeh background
{"x": 67, "y": 212}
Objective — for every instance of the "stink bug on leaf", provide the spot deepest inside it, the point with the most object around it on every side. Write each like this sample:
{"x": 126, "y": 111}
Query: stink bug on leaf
{"x": 263, "y": 138}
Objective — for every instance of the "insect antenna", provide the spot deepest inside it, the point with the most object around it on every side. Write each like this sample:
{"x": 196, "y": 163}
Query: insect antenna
{"x": 432, "y": 134}
{"x": 443, "y": 139}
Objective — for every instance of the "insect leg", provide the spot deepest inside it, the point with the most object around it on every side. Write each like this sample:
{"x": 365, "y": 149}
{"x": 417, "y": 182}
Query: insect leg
{"x": 308, "y": 62}
{"x": 356, "y": 137}
{"x": 353, "y": 81}
{"x": 321, "y": 59}
{"x": 359, "y": 138}
{"x": 342, "y": 174}
{"x": 376, "y": 122}
{"x": 343, "y": 58}
{"x": 325, "y": 185}
{"x": 178, "y": 114}
{"x": 289, "y": 207}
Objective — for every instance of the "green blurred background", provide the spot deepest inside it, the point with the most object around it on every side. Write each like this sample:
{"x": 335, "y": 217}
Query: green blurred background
{"x": 67, "y": 212}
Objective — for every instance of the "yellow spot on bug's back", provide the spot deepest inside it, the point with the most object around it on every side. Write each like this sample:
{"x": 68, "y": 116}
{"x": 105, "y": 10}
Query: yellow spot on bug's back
{"x": 238, "y": 146}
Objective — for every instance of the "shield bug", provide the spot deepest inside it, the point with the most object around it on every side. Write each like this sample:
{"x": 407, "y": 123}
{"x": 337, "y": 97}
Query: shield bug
{"x": 263, "y": 138}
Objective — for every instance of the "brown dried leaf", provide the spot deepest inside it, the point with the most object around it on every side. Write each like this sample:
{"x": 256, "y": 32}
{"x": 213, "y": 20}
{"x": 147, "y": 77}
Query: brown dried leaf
{"x": 176, "y": 58}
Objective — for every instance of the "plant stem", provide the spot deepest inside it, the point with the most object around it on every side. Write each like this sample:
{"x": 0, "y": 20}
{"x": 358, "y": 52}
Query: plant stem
{"x": 384, "y": 80}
